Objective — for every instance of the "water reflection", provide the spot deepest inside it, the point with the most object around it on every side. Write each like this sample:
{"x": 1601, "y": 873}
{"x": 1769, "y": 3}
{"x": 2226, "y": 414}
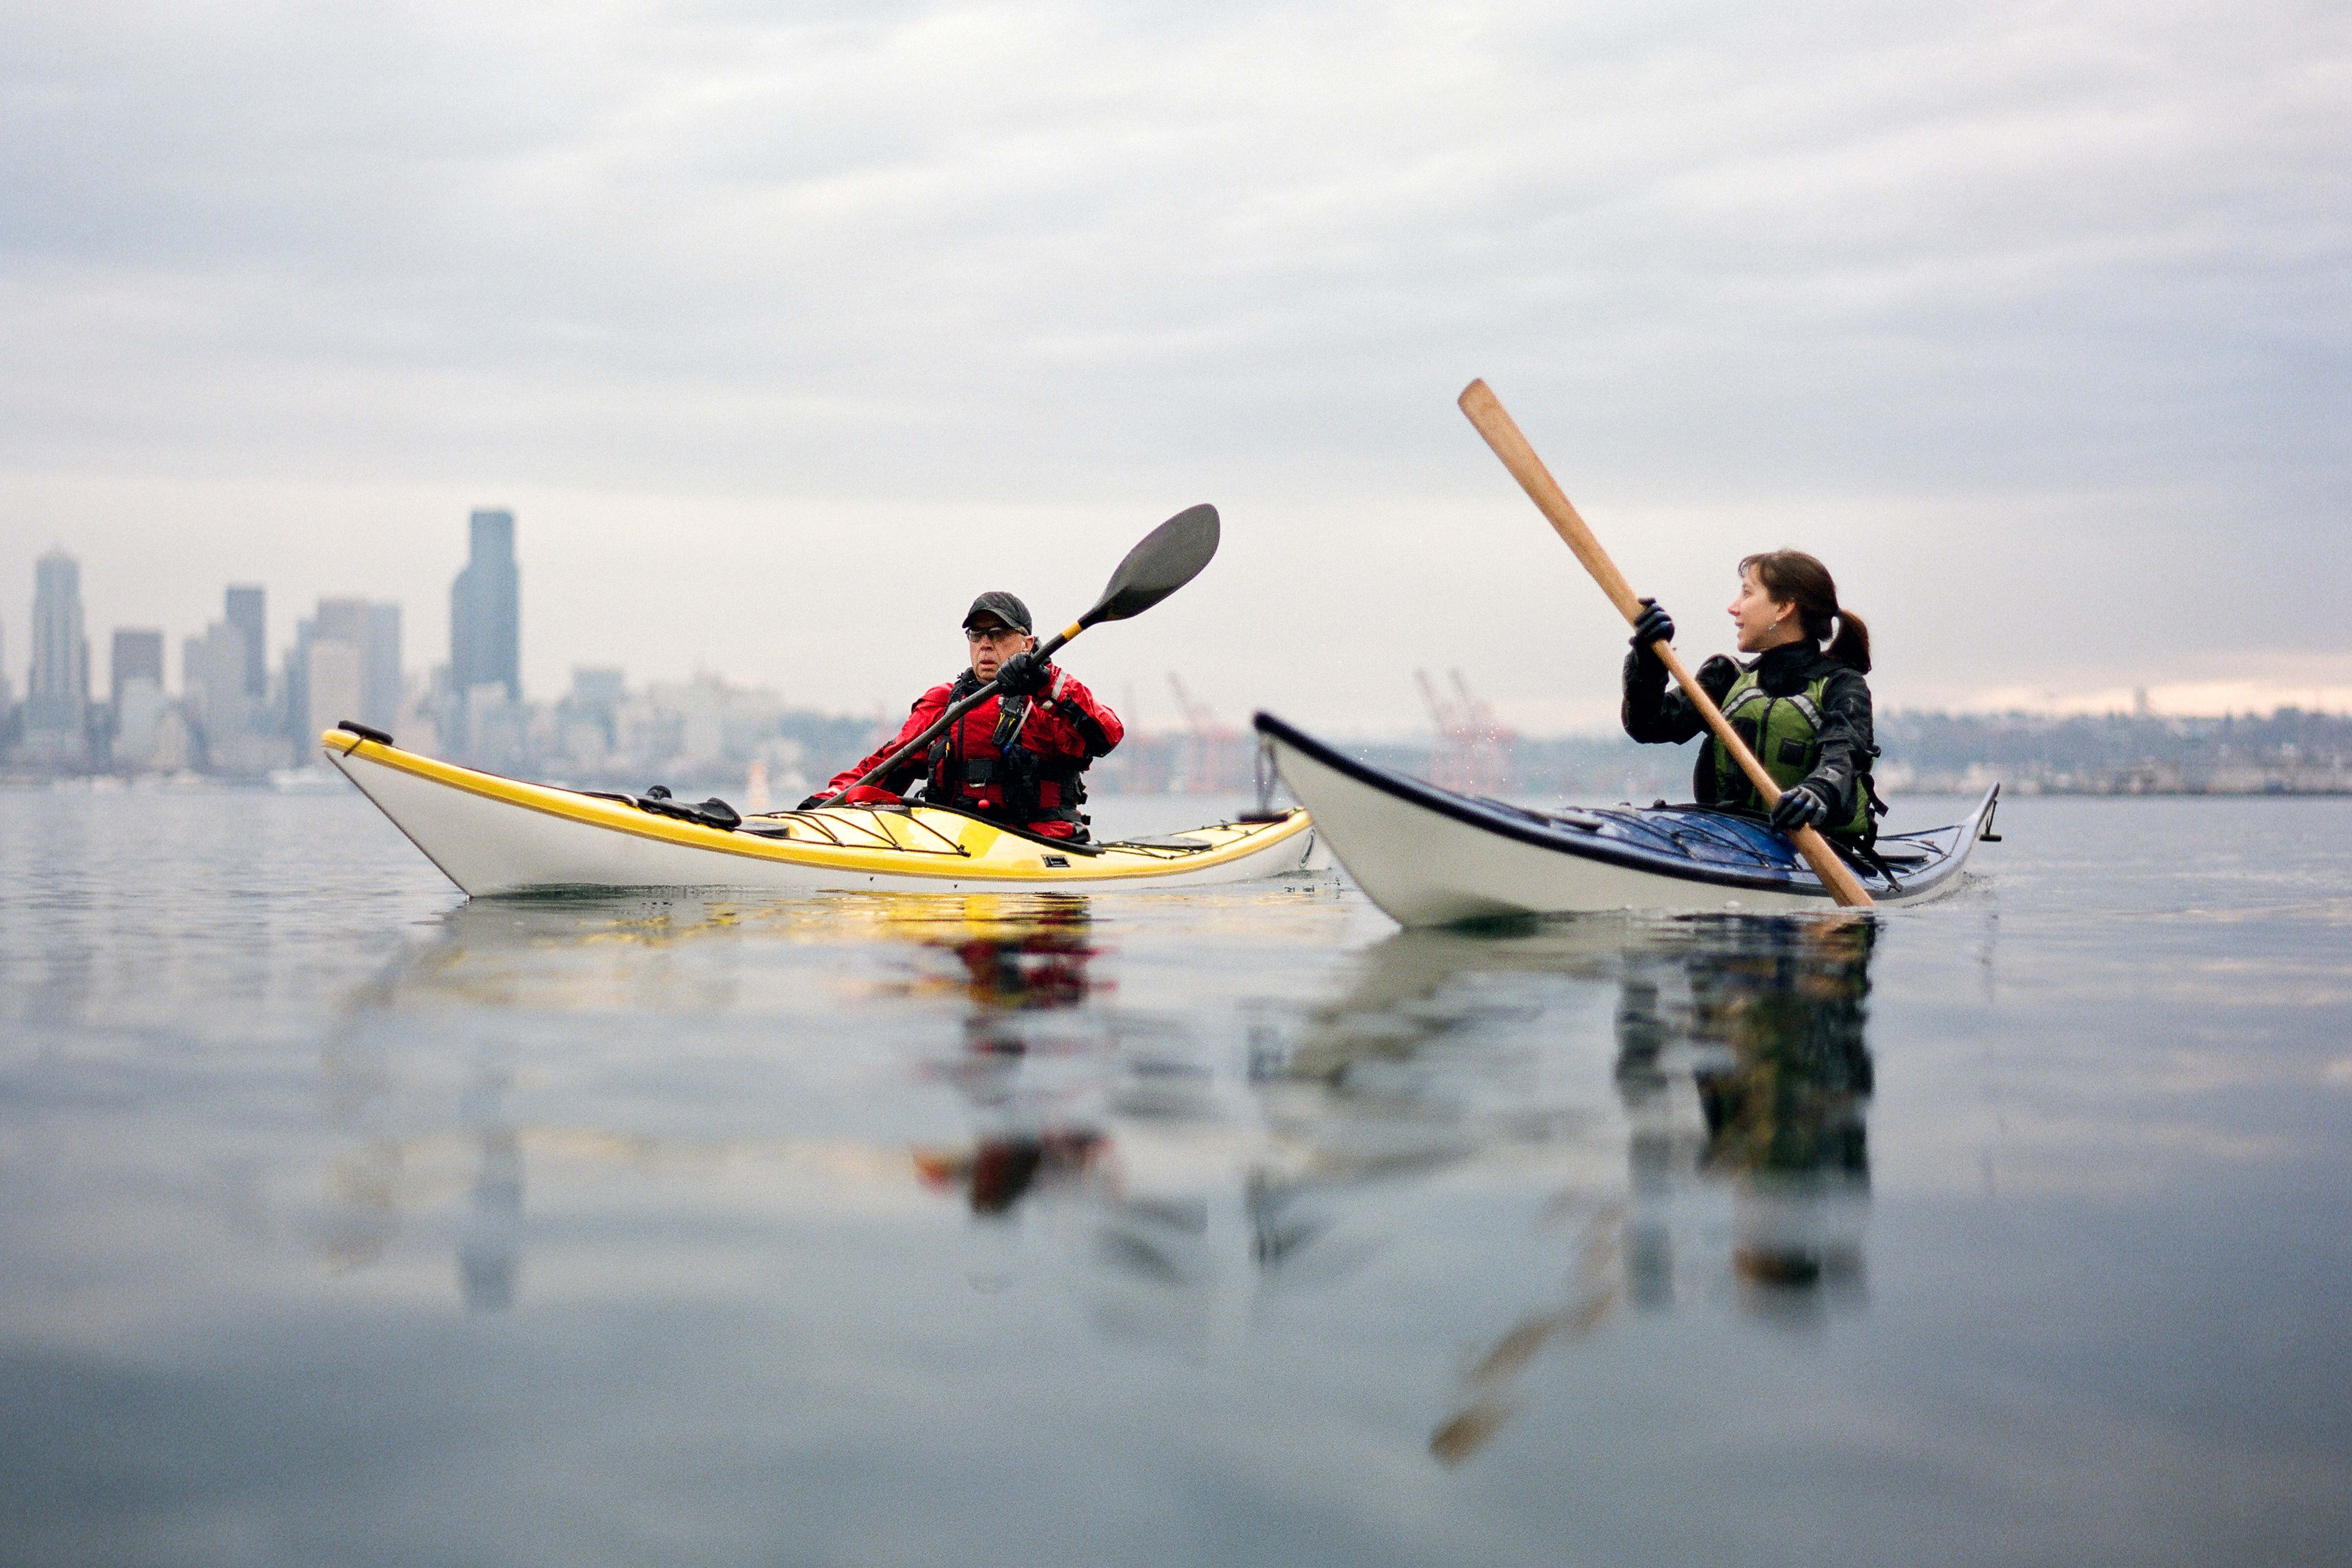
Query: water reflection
{"x": 661, "y": 984}
{"x": 1541, "y": 1129}
{"x": 490, "y": 1240}
{"x": 1690, "y": 1096}
{"x": 1020, "y": 957}
{"x": 1743, "y": 1076}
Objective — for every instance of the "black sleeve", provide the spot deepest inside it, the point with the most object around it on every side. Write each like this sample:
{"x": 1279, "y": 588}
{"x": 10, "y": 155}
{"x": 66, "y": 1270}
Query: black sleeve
{"x": 1091, "y": 732}
{"x": 1715, "y": 677}
{"x": 1846, "y": 740}
{"x": 1657, "y": 714}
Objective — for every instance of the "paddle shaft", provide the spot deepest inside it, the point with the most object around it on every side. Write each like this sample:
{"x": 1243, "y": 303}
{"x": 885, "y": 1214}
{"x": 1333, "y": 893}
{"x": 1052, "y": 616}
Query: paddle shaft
{"x": 956, "y": 711}
{"x": 1502, "y": 433}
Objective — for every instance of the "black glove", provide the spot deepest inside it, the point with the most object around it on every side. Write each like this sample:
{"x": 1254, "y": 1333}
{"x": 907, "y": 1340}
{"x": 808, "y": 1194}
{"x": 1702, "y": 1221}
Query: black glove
{"x": 812, "y": 802}
{"x": 1805, "y": 805}
{"x": 1654, "y": 626}
{"x": 1022, "y": 674}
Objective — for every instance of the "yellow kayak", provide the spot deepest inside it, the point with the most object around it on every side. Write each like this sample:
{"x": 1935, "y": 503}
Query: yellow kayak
{"x": 492, "y": 835}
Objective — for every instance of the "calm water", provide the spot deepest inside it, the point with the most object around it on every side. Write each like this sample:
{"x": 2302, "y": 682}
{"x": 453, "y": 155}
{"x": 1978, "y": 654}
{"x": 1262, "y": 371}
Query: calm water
{"x": 343, "y": 1221}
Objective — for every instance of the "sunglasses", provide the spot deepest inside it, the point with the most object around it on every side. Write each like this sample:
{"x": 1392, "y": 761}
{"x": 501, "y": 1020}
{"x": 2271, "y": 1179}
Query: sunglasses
{"x": 992, "y": 634}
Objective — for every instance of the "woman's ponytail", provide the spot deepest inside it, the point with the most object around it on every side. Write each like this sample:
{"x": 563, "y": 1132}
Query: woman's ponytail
{"x": 1851, "y": 644}
{"x": 1793, "y": 577}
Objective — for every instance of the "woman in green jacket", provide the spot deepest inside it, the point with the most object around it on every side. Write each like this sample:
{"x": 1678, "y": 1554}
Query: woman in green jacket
{"x": 1801, "y": 703}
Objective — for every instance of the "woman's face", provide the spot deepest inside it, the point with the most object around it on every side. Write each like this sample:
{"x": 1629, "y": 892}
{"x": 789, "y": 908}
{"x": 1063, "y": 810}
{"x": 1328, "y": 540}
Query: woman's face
{"x": 1762, "y": 620}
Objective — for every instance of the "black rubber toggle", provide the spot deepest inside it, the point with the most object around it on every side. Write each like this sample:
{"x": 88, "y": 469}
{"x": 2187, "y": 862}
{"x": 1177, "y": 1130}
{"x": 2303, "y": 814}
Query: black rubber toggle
{"x": 364, "y": 732}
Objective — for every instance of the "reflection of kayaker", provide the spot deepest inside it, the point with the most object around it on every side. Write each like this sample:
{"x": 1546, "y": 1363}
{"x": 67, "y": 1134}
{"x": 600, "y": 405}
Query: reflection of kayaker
{"x": 1802, "y": 708}
{"x": 1787, "y": 1105}
{"x": 1769, "y": 1015}
{"x": 1021, "y": 957}
{"x": 1018, "y": 757}
{"x": 1783, "y": 1098}
{"x": 998, "y": 1172}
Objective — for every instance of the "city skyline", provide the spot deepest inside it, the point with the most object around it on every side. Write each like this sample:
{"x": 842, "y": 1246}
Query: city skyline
{"x": 2315, "y": 691}
{"x": 344, "y": 664}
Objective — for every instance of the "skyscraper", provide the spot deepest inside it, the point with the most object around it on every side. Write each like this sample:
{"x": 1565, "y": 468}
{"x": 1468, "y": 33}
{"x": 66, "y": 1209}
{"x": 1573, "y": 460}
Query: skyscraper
{"x": 136, "y": 654}
{"x": 485, "y": 610}
{"x": 295, "y": 694}
{"x": 333, "y": 683}
{"x": 372, "y": 634}
{"x": 381, "y": 680}
{"x": 57, "y": 687}
{"x": 247, "y": 612}
{"x": 238, "y": 734}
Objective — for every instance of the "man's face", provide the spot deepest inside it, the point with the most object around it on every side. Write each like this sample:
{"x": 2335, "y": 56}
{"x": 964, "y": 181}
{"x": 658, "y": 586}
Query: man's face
{"x": 991, "y": 643}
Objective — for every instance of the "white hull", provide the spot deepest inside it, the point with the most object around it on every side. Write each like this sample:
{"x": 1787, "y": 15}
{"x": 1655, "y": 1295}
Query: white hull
{"x": 1427, "y": 865}
{"x": 493, "y": 836}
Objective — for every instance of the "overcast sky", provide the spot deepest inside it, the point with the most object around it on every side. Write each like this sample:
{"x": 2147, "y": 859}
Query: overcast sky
{"x": 785, "y": 328}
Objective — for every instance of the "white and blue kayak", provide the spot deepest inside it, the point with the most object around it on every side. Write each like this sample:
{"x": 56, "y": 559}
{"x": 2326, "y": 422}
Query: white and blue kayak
{"x": 1430, "y": 857}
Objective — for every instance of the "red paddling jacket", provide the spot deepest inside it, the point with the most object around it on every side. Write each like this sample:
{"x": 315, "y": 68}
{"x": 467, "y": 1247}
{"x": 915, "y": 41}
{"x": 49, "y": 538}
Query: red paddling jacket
{"x": 1014, "y": 759}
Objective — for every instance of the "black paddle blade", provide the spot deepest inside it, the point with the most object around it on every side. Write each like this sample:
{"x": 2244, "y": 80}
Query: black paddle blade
{"x": 1170, "y": 556}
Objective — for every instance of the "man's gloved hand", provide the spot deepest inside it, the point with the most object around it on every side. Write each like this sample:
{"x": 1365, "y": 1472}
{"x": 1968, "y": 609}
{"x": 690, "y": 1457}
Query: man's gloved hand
{"x": 855, "y": 794}
{"x": 1805, "y": 805}
{"x": 1655, "y": 625}
{"x": 1022, "y": 674}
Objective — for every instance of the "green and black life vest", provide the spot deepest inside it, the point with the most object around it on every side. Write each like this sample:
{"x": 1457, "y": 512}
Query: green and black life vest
{"x": 1785, "y": 733}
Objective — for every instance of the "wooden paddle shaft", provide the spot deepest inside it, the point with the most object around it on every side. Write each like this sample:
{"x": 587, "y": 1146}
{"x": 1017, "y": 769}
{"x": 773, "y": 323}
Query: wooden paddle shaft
{"x": 1502, "y": 433}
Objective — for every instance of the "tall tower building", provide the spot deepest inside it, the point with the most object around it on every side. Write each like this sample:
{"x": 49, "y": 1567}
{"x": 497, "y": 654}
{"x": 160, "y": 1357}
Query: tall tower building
{"x": 137, "y": 655}
{"x": 295, "y": 694}
{"x": 370, "y": 634}
{"x": 238, "y": 734}
{"x": 334, "y": 665}
{"x": 135, "y": 677}
{"x": 380, "y": 680}
{"x": 57, "y": 686}
{"x": 247, "y": 612}
{"x": 485, "y": 610}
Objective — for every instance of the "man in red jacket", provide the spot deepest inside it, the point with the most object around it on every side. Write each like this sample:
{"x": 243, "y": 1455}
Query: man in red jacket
{"x": 1017, "y": 758}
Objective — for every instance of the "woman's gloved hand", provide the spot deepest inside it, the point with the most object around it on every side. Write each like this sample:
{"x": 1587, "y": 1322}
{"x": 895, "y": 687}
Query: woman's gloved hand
{"x": 1806, "y": 804}
{"x": 1654, "y": 626}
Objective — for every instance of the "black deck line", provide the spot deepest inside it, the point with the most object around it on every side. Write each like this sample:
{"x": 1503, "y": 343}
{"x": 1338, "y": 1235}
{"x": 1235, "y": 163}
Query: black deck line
{"x": 1467, "y": 810}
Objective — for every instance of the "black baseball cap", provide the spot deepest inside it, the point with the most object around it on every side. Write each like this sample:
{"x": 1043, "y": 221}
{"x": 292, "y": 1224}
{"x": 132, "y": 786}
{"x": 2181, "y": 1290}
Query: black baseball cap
{"x": 1003, "y": 606}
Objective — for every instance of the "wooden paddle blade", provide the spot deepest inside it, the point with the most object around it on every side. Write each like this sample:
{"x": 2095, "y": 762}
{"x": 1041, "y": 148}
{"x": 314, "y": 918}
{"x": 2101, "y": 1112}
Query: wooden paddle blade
{"x": 1494, "y": 422}
{"x": 1168, "y": 557}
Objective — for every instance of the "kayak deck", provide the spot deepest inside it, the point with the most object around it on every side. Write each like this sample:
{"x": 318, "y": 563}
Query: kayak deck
{"x": 1726, "y": 848}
